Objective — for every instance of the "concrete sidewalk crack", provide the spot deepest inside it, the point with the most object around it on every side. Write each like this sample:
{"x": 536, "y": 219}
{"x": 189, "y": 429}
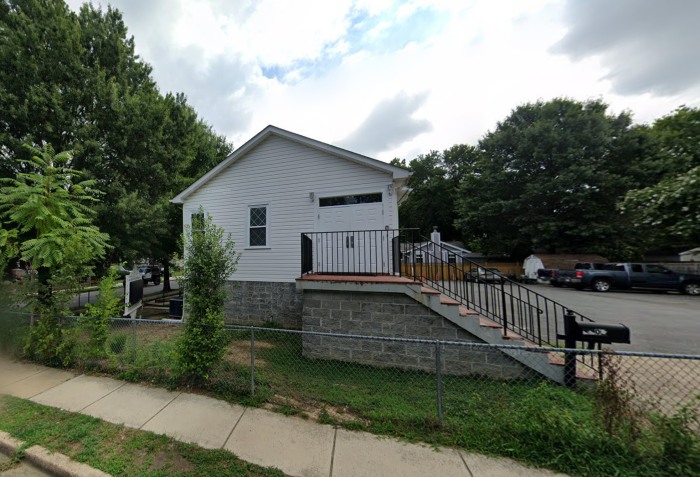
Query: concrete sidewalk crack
{"x": 335, "y": 436}
{"x": 234, "y": 428}
{"x": 161, "y": 409}
{"x": 465, "y": 463}
{"x": 48, "y": 389}
{"x": 97, "y": 400}
{"x": 20, "y": 380}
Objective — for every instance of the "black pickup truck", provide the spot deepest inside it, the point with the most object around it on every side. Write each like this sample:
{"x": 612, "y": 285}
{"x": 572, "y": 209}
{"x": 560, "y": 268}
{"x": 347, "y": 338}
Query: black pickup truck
{"x": 636, "y": 276}
{"x": 563, "y": 278}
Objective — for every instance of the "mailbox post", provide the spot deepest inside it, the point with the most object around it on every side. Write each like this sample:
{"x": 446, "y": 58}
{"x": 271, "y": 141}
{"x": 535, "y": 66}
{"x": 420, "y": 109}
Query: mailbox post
{"x": 590, "y": 333}
{"x": 569, "y": 342}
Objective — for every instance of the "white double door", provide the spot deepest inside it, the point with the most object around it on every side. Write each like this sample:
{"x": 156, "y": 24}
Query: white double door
{"x": 352, "y": 240}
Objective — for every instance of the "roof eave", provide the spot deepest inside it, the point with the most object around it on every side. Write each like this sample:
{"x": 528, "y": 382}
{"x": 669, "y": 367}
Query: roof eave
{"x": 398, "y": 173}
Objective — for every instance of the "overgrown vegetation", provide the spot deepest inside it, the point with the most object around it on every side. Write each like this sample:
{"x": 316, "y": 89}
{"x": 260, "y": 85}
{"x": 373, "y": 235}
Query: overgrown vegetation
{"x": 47, "y": 207}
{"x": 114, "y": 449}
{"x": 609, "y": 431}
{"x": 108, "y": 305}
{"x": 209, "y": 260}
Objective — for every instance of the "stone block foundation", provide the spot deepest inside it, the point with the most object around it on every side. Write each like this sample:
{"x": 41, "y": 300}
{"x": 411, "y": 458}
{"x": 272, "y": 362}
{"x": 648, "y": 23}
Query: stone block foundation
{"x": 395, "y": 315}
{"x": 257, "y": 303}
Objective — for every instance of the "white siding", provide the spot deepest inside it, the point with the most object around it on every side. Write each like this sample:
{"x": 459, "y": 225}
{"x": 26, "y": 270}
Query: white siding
{"x": 281, "y": 173}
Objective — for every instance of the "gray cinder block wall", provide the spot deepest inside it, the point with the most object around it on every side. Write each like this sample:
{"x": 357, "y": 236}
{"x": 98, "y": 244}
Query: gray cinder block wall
{"x": 398, "y": 316}
{"x": 256, "y": 303}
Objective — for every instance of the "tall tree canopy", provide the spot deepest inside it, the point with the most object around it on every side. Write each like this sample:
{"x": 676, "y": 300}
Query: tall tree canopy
{"x": 549, "y": 177}
{"x": 73, "y": 80}
{"x": 669, "y": 211}
{"x": 434, "y": 188}
{"x": 48, "y": 210}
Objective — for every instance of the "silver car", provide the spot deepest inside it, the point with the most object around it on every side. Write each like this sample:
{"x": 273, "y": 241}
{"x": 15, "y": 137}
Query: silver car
{"x": 485, "y": 275}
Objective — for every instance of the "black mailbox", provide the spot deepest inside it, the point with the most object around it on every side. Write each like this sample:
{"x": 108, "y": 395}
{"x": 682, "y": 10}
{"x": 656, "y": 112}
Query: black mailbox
{"x": 601, "y": 333}
{"x": 588, "y": 332}
{"x": 592, "y": 333}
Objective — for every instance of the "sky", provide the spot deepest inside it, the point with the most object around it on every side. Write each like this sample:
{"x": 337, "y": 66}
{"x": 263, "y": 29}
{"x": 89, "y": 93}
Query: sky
{"x": 391, "y": 78}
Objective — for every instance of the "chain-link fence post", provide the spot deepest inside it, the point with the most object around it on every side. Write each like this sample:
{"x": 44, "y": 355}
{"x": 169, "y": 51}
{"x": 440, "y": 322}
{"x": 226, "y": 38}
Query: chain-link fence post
{"x": 438, "y": 374}
{"x": 252, "y": 362}
{"x": 133, "y": 326}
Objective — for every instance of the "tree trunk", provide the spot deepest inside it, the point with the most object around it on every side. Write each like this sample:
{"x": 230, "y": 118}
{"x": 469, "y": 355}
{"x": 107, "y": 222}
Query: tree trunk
{"x": 44, "y": 292}
{"x": 166, "y": 275}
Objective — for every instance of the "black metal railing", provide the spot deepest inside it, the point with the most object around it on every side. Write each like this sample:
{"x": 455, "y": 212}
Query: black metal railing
{"x": 516, "y": 307}
{"x": 359, "y": 252}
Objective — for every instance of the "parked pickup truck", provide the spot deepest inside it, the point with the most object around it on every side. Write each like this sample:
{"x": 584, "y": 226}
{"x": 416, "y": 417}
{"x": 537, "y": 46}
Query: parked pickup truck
{"x": 563, "y": 278}
{"x": 636, "y": 275}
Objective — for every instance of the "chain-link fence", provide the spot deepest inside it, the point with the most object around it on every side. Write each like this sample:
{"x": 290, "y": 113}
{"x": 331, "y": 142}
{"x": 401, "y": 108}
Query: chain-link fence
{"x": 638, "y": 411}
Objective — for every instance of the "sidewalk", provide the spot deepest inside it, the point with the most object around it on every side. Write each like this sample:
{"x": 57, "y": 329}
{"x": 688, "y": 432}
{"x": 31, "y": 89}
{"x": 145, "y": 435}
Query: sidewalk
{"x": 295, "y": 446}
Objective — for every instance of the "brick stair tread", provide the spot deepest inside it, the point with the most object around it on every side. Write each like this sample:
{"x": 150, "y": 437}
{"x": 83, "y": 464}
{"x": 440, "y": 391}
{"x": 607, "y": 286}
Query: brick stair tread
{"x": 448, "y": 301}
{"x": 463, "y": 310}
{"x": 510, "y": 335}
{"x": 488, "y": 323}
{"x": 429, "y": 291}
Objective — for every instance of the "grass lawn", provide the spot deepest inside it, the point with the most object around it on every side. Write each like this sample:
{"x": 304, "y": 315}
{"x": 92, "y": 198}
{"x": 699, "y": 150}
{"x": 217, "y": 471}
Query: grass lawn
{"x": 114, "y": 449}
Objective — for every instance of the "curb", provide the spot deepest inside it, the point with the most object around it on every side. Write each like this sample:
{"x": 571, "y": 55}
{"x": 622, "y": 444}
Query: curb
{"x": 56, "y": 464}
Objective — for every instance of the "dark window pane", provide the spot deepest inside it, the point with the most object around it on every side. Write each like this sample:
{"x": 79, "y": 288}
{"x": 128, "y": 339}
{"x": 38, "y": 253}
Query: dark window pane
{"x": 258, "y": 237}
{"x": 615, "y": 267}
{"x": 197, "y": 222}
{"x": 258, "y": 216}
{"x": 656, "y": 269}
{"x": 350, "y": 200}
{"x": 636, "y": 268}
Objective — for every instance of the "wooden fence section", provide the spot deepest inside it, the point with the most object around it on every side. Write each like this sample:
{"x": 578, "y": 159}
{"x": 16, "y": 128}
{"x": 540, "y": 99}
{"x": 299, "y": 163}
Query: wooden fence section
{"x": 683, "y": 267}
{"x": 455, "y": 271}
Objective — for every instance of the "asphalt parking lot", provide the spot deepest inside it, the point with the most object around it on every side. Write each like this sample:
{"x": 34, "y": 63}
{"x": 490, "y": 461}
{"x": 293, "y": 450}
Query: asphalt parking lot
{"x": 659, "y": 322}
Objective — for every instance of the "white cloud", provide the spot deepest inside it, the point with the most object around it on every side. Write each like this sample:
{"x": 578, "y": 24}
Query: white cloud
{"x": 376, "y": 31}
{"x": 316, "y": 68}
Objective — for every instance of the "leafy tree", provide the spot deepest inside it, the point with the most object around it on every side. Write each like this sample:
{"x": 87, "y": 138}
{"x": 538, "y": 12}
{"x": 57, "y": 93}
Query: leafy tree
{"x": 549, "y": 177}
{"x": 669, "y": 211}
{"x": 107, "y": 306}
{"x": 434, "y": 188}
{"x": 74, "y": 80}
{"x": 209, "y": 260}
{"x": 50, "y": 202}
{"x": 48, "y": 208}
{"x": 42, "y": 79}
{"x": 672, "y": 208}
{"x": 8, "y": 247}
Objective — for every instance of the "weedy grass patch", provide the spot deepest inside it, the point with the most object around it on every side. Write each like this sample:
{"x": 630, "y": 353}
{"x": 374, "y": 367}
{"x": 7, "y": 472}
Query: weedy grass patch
{"x": 117, "y": 450}
{"x": 592, "y": 432}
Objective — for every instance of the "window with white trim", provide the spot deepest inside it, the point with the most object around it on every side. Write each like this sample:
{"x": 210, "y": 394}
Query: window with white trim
{"x": 197, "y": 222}
{"x": 258, "y": 225}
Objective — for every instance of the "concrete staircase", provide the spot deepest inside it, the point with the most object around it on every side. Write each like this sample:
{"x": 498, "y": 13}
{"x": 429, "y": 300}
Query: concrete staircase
{"x": 550, "y": 364}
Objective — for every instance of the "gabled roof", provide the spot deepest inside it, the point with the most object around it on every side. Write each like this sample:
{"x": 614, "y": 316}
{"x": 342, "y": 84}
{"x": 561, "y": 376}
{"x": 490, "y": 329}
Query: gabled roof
{"x": 397, "y": 173}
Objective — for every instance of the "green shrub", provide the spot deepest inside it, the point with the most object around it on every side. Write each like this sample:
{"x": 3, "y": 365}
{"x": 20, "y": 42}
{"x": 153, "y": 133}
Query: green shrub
{"x": 52, "y": 341}
{"x": 679, "y": 437}
{"x": 210, "y": 259}
{"x": 117, "y": 344}
{"x": 108, "y": 305}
